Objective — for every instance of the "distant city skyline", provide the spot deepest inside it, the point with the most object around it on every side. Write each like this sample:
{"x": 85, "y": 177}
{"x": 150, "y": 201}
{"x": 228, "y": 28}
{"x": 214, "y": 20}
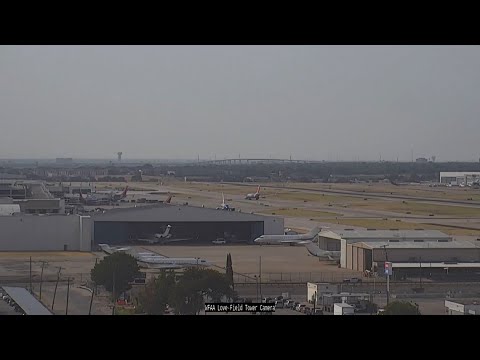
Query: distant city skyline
{"x": 332, "y": 103}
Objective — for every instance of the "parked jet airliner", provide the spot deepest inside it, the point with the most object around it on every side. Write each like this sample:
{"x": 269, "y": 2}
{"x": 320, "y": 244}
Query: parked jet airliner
{"x": 155, "y": 261}
{"x": 287, "y": 239}
{"x": 255, "y": 195}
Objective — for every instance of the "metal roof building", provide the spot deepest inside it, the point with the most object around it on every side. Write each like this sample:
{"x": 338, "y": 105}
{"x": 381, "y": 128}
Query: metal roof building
{"x": 367, "y": 255}
{"x": 338, "y": 240}
{"x": 124, "y": 225}
{"x": 457, "y": 178}
{"x": 29, "y": 304}
{"x": 405, "y": 235}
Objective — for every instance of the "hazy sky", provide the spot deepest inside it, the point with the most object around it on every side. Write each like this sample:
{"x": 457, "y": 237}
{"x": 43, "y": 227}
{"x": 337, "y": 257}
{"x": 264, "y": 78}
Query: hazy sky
{"x": 170, "y": 102}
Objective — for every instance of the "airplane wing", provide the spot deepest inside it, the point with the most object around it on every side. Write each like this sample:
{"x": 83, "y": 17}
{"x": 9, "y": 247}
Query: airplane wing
{"x": 150, "y": 241}
{"x": 175, "y": 240}
{"x": 163, "y": 266}
{"x": 290, "y": 241}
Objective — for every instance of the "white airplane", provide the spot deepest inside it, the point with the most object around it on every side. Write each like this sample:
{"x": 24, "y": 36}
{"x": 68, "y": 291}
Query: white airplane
{"x": 165, "y": 238}
{"x": 287, "y": 239}
{"x": 255, "y": 196}
{"x": 159, "y": 262}
{"x": 157, "y": 237}
{"x": 155, "y": 261}
{"x": 314, "y": 250}
{"x": 107, "y": 249}
{"x": 224, "y": 206}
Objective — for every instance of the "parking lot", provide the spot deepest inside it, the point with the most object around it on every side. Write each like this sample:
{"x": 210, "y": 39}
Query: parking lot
{"x": 8, "y": 306}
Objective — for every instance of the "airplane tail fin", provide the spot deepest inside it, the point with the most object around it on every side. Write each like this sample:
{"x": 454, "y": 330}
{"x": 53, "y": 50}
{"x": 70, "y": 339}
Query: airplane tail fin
{"x": 167, "y": 230}
{"x": 82, "y": 199}
{"x": 105, "y": 248}
{"x": 124, "y": 194}
{"x": 258, "y": 190}
{"x": 168, "y": 199}
{"x": 312, "y": 248}
{"x": 314, "y": 232}
{"x": 223, "y": 199}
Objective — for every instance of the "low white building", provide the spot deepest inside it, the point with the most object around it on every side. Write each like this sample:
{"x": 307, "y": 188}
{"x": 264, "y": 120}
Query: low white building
{"x": 9, "y": 209}
{"x": 462, "y": 307}
{"x": 320, "y": 289}
{"x": 459, "y": 178}
{"x": 343, "y": 309}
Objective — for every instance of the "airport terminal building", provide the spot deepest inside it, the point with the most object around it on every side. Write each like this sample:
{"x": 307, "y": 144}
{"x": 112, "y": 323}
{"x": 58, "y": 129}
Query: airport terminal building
{"x": 196, "y": 225}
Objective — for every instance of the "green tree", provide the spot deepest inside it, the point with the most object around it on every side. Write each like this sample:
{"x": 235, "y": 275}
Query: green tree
{"x": 187, "y": 296}
{"x": 197, "y": 284}
{"x": 215, "y": 285}
{"x": 157, "y": 294}
{"x": 229, "y": 270}
{"x": 115, "y": 272}
{"x": 401, "y": 308}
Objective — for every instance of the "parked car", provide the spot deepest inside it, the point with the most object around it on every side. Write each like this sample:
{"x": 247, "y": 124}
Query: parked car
{"x": 352, "y": 280}
{"x": 279, "y": 304}
{"x": 307, "y": 310}
{"x": 300, "y": 307}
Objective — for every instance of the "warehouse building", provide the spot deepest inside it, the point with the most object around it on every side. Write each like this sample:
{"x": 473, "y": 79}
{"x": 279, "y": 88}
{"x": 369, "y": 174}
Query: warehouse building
{"x": 459, "y": 178}
{"x": 462, "y": 307}
{"x": 41, "y": 206}
{"x": 337, "y": 241}
{"x": 409, "y": 256}
{"x": 45, "y": 233}
{"x": 196, "y": 224}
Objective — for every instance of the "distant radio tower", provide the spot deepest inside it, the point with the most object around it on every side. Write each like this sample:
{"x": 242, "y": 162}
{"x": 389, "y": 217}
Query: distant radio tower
{"x": 119, "y": 155}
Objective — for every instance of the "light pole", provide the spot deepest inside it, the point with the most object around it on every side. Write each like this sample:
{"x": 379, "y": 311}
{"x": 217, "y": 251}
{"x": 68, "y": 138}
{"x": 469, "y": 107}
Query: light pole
{"x": 30, "y": 274}
{"x": 41, "y": 279}
{"x": 260, "y": 277}
{"x": 387, "y": 269}
{"x": 68, "y": 293}
{"x": 91, "y": 301}
{"x": 56, "y": 285}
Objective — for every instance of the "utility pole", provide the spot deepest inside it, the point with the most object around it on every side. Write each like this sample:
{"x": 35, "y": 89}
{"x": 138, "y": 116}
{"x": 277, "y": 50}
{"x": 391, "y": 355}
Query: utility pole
{"x": 113, "y": 293}
{"x": 41, "y": 279}
{"x": 56, "y": 285}
{"x": 30, "y": 274}
{"x": 260, "y": 278}
{"x": 387, "y": 273}
{"x": 91, "y": 301}
{"x": 68, "y": 293}
{"x": 420, "y": 271}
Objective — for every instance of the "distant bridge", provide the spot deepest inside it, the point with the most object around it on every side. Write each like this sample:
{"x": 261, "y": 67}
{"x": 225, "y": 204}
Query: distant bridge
{"x": 247, "y": 161}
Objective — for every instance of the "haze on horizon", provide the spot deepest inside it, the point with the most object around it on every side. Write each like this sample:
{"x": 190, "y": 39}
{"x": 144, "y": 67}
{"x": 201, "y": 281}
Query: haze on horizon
{"x": 177, "y": 102}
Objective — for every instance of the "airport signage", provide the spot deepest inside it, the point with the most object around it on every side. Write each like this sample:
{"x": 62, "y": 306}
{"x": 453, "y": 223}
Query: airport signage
{"x": 388, "y": 268}
{"x": 240, "y": 307}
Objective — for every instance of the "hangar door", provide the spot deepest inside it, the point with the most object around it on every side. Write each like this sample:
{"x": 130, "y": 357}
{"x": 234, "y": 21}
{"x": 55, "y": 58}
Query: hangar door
{"x": 110, "y": 232}
{"x": 257, "y": 230}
